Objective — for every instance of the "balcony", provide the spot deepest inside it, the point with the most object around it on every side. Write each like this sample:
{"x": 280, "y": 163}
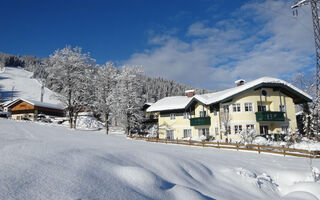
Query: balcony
{"x": 200, "y": 121}
{"x": 269, "y": 116}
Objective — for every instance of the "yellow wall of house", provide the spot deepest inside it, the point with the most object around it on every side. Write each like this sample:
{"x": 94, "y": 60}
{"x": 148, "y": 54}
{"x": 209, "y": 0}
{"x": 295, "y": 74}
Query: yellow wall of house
{"x": 178, "y": 124}
{"x": 272, "y": 100}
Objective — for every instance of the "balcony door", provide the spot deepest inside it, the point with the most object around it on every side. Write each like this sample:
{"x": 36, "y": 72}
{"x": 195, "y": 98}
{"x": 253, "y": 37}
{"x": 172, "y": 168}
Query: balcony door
{"x": 203, "y": 132}
{"x": 264, "y": 129}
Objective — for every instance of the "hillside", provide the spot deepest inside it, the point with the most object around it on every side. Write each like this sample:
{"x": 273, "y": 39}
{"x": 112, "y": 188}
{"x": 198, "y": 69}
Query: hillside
{"x": 24, "y": 86}
{"x": 48, "y": 162}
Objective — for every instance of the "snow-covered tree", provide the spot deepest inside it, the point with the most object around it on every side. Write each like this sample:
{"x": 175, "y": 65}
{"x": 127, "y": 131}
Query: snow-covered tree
{"x": 130, "y": 101}
{"x": 30, "y": 63}
{"x": 105, "y": 89}
{"x": 311, "y": 111}
{"x": 225, "y": 121}
{"x": 247, "y": 136}
{"x": 67, "y": 72}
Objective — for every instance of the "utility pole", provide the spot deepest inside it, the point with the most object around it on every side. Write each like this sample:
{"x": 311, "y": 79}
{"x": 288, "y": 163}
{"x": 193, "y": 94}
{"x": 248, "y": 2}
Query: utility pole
{"x": 316, "y": 33}
{"x": 42, "y": 92}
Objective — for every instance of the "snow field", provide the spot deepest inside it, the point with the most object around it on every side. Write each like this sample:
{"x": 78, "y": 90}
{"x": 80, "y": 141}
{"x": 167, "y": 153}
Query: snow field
{"x": 52, "y": 162}
{"x": 24, "y": 86}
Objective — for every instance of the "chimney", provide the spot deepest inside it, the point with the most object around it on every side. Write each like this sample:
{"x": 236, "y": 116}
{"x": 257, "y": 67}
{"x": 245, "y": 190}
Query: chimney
{"x": 189, "y": 93}
{"x": 239, "y": 82}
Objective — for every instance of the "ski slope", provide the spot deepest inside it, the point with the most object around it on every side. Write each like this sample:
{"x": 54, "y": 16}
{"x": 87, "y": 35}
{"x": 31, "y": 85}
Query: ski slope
{"x": 23, "y": 86}
{"x": 51, "y": 162}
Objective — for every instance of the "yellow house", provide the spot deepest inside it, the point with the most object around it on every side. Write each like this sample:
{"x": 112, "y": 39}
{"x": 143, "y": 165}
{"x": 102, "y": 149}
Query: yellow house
{"x": 266, "y": 105}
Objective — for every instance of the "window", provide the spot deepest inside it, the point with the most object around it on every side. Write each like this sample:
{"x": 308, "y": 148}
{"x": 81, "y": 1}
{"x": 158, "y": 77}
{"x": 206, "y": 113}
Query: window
{"x": 186, "y": 115}
{"x": 170, "y": 134}
{"x": 202, "y": 113}
{"x": 249, "y": 127}
{"x": 282, "y": 108}
{"x": 226, "y": 108}
{"x": 203, "y": 131}
{"x": 216, "y": 131}
{"x": 229, "y": 130}
{"x": 187, "y": 133}
{"x": 237, "y": 129}
{"x": 215, "y": 111}
{"x": 236, "y": 107}
{"x": 248, "y": 107}
{"x": 172, "y": 116}
{"x": 262, "y": 108}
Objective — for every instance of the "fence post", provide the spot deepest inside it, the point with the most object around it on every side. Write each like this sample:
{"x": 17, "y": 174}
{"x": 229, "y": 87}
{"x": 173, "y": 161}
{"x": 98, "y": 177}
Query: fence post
{"x": 237, "y": 146}
{"x": 190, "y": 141}
{"x": 284, "y": 151}
{"x": 166, "y": 140}
{"x": 218, "y": 145}
{"x": 259, "y": 149}
{"x": 202, "y": 143}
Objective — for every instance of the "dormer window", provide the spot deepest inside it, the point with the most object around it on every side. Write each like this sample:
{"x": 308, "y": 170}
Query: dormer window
{"x": 172, "y": 116}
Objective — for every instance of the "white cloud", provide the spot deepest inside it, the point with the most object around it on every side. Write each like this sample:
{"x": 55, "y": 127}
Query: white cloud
{"x": 261, "y": 39}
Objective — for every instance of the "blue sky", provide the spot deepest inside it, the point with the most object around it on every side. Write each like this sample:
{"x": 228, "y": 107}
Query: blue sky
{"x": 204, "y": 43}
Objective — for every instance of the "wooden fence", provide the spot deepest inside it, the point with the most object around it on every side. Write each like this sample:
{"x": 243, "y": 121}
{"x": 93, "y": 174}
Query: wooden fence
{"x": 237, "y": 146}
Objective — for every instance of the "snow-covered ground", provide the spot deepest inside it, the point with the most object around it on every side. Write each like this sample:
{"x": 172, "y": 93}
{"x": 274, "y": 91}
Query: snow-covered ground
{"x": 52, "y": 162}
{"x": 24, "y": 86}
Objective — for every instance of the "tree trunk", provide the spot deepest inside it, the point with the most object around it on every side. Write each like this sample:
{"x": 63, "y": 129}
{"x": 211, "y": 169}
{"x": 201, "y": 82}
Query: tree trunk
{"x": 70, "y": 118}
{"x": 75, "y": 120}
{"x": 106, "y": 116}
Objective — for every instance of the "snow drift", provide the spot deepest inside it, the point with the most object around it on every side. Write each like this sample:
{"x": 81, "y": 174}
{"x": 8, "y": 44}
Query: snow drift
{"x": 52, "y": 162}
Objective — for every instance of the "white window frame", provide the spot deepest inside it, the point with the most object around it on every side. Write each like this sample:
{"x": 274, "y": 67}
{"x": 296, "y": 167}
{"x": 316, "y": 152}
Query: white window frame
{"x": 171, "y": 131}
{"x": 186, "y": 115}
{"x": 187, "y": 133}
{"x": 237, "y": 129}
{"x": 237, "y": 107}
{"x": 172, "y": 116}
{"x": 252, "y": 107}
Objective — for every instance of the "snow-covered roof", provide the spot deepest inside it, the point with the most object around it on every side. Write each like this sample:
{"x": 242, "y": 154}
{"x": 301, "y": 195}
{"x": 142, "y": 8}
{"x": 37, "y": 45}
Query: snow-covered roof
{"x": 180, "y": 102}
{"x": 222, "y": 95}
{"x": 6, "y": 103}
{"x": 170, "y": 103}
{"x": 37, "y": 103}
{"x": 189, "y": 91}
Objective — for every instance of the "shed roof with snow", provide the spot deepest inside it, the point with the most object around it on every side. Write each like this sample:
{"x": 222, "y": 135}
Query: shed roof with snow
{"x": 36, "y": 103}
